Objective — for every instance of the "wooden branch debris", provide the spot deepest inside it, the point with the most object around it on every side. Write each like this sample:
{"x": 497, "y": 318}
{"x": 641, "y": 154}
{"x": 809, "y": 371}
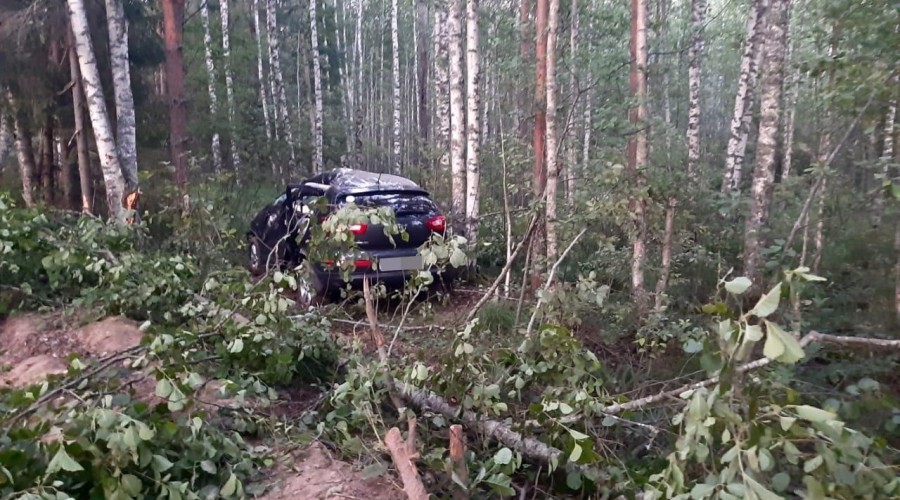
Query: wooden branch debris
{"x": 458, "y": 459}
{"x": 403, "y": 454}
{"x": 549, "y": 282}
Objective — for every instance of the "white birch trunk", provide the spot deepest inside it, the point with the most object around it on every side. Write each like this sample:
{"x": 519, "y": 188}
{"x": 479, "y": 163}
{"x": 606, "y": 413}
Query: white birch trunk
{"x": 571, "y": 146}
{"x": 698, "y": 20}
{"x": 263, "y": 95}
{"x": 552, "y": 159}
{"x": 737, "y": 134}
{"x": 457, "y": 118}
{"x": 6, "y": 138}
{"x": 887, "y": 155}
{"x": 588, "y": 127}
{"x": 318, "y": 155}
{"x": 278, "y": 78}
{"x": 473, "y": 132}
{"x": 24, "y": 153}
{"x": 360, "y": 65}
{"x": 638, "y": 153}
{"x": 395, "y": 87}
{"x": 103, "y": 134}
{"x": 211, "y": 81}
{"x": 229, "y": 81}
{"x": 791, "y": 88}
{"x": 819, "y": 239}
{"x": 441, "y": 88}
{"x": 770, "y": 107}
{"x": 81, "y": 138}
{"x": 126, "y": 135}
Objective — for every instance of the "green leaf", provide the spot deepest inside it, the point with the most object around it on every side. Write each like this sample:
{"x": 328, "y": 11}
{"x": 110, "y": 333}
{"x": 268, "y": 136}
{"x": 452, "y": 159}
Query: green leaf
{"x": 766, "y": 461}
{"x": 780, "y": 481}
{"x": 773, "y": 346}
{"x": 161, "y": 463}
{"x": 131, "y": 484}
{"x": 577, "y": 436}
{"x": 768, "y": 303}
{"x": 761, "y": 491}
{"x": 573, "y": 480}
{"x": 792, "y": 351}
{"x": 702, "y": 490}
{"x": 163, "y": 388}
{"x": 278, "y": 276}
{"x": 208, "y": 467}
{"x": 565, "y": 409}
{"x": 753, "y": 333}
{"x": 62, "y": 461}
{"x": 503, "y": 456}
{"x": 576, "y": 453}
{"x": 458, "y": 258}
{"x": 230, "y": 487}
{"x": 237, "y": 346}
{"x": 814, "y": 414}
{"x": 738, "y": 285}
{"x": 787, "y": 422}
{"x": 813, "y": 464}
{"x": 145, "y": 432}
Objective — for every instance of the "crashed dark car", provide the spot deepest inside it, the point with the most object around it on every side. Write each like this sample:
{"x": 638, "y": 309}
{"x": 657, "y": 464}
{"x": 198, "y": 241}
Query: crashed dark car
{"x": 279, "y": 234}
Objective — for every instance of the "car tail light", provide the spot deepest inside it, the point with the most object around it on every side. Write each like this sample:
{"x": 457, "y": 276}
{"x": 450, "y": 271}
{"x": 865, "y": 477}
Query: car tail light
{"x": 437, "y": 223}
{"x": 329, "y": 262}
{"x": 359, "y": 229}
{"x": 363, "y": 264}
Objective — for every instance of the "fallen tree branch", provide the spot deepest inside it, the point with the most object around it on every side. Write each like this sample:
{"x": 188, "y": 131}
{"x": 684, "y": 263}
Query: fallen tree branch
{"x": 549, "y": 282}
{"x": 403, "y": 458}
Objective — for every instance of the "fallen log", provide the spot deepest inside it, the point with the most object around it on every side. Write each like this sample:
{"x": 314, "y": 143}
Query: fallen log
{"x": 403, "y": 458}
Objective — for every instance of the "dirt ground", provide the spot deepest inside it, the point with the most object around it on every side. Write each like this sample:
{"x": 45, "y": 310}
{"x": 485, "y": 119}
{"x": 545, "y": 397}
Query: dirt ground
{"x": 34, "y": 347}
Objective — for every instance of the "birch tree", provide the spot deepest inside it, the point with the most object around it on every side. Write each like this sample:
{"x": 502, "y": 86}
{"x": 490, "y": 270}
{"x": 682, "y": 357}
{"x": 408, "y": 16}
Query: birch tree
{"x": 225, "y": 15}
{"x": 211, "y": 81}
{"x": 6, "y": 137}
{"x": 103, "y": 135}
{"x": 887, "y": 155}
{"x": 263, "y": 94}
{"x": 457, "y": 117}
{"x": 539, "y": 134}
{"x": 24, "y": 152}
{"x": 637, "y": 153}
{"x": 473, "y": 139}
{"x": 278, "y": 83}
{"x": 552, "y": 131}
{"x": 318, "y": 123}
{"x": 81, "y": 138}
{"x": 395, "y": 94}
{"x": 698, "y": 20}
{"x": 126, "y": 134}
{"x": 572, "y": 145}
{"x": 422, "y": 73}
{"x": 743, "y": 99}
{"x": 770, "y": 110}
{"x": 442, "y": 87}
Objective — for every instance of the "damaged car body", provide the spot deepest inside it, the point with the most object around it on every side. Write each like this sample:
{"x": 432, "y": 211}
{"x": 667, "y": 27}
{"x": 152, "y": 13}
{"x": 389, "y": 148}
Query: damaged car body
{"x": 279, "y": 235}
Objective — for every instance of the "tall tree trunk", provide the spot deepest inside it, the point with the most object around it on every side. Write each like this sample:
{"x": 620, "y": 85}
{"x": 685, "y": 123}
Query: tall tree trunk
{"x": 552, "y": 132}
{"x": 224, "y": 12}
{"x": 525, "y": 36}
{"x": 442, "y": 88}
{"x": 6, "y": 137}
{"x": 791, "y": 89}
{"x": 25, "y": 152}
{"x": 637, "y": 153}
{"x": 126, "y": 133}
{"x": 539, "y": 134}
{"x": 473, "y": 142}
{"x": 48, "y": 166}
{"x": 457, "y": 118}
{"x": 211, "y": 80}
{"x": 81, "y": 137}
{"x": 572, "y": 144}
{"x": 887, "y": 155}
{"x": 743, "y": 99}
{"x": 263, "y": 95}
{"x": 395, "y": 87}
{"x": 665, "y": 261}
{"x": 770, "y": 108}
{"x": 103, "y": 134}
{"x": 698, "y": 21}
{"x": 173, "y": 21}
{"x": 360, "y": 66}
{"x": 422, "y": 75}
{"x": 278, "y": 79}
{"x": 318, "y": 125}
{"x": 825, "y": 147}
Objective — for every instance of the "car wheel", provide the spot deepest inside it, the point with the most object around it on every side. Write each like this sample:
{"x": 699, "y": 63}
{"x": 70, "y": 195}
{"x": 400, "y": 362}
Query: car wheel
{"x": 256, "y": 263}
{"x": 311, "y": 291}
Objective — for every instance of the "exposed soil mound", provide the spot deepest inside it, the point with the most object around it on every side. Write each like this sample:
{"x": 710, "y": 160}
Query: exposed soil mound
{"x": 314, "y": 475}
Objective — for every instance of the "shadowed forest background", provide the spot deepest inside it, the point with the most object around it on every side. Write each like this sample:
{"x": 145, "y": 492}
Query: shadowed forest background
{"x": 681, "y": 223}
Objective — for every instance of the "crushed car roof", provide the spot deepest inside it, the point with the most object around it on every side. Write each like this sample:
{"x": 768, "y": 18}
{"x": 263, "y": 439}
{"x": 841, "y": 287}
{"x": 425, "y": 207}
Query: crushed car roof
{"x": 346, "y": 180}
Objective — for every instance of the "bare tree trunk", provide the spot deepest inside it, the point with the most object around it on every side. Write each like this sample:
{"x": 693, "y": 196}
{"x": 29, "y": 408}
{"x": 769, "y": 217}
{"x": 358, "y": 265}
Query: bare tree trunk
{"x": 126, "y": 134}
{"x": 395, "y": 95}
{"x": 422, "y": 75}
{"x": 473, "y": 142}
{"x": 319, "y": 123}
{"x": 47, "y": 165}
{"x": 770, "y": 106}
{"x": 6, "y": 138}
{"x": 81, "y": 138}
{"x": 791, "y": 89}
{"x": 224, "y": 12}
{"x": 887, "y": 154}
{"x": 539, "y": 134}
{"x": 358, "y": 119}
{"x": 819, "y": 238}
{"x": 457, "y": 118}
{"x": 211, "y": 77}
{"x": 103, "y": 135}
{"x": 263, "y": 95}
{"x": 25, "y": 152}
{"x": 173, "y": 21}
{"x": 552, "y": 132}
{"x": 572, "y": 144}
{"x": 698, "y": 21}
{"x": 588, "y": 127}
{"x": 665, "y": 264}
{"x": 637, "y": 152}
{"x": 442, "y": 87}
{"x": 524, "y": 49}
{"x": 743, "y": 99}
{"x": 825, "y": 151}
{"x": 897, "y": 273}
{"x": 278, "y": 78}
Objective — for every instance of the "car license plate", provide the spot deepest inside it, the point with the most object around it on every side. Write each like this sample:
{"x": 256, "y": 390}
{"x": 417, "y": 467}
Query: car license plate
{"x": 407, "y": 263}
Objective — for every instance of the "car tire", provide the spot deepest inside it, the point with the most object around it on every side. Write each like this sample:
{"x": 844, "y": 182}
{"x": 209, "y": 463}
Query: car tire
{"x": 256, "y": 263}
{"x": 311, "y": 291}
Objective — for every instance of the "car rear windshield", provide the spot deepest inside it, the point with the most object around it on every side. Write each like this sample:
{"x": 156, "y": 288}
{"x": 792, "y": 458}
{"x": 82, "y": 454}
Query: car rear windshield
{"x": 401, "y": 203}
